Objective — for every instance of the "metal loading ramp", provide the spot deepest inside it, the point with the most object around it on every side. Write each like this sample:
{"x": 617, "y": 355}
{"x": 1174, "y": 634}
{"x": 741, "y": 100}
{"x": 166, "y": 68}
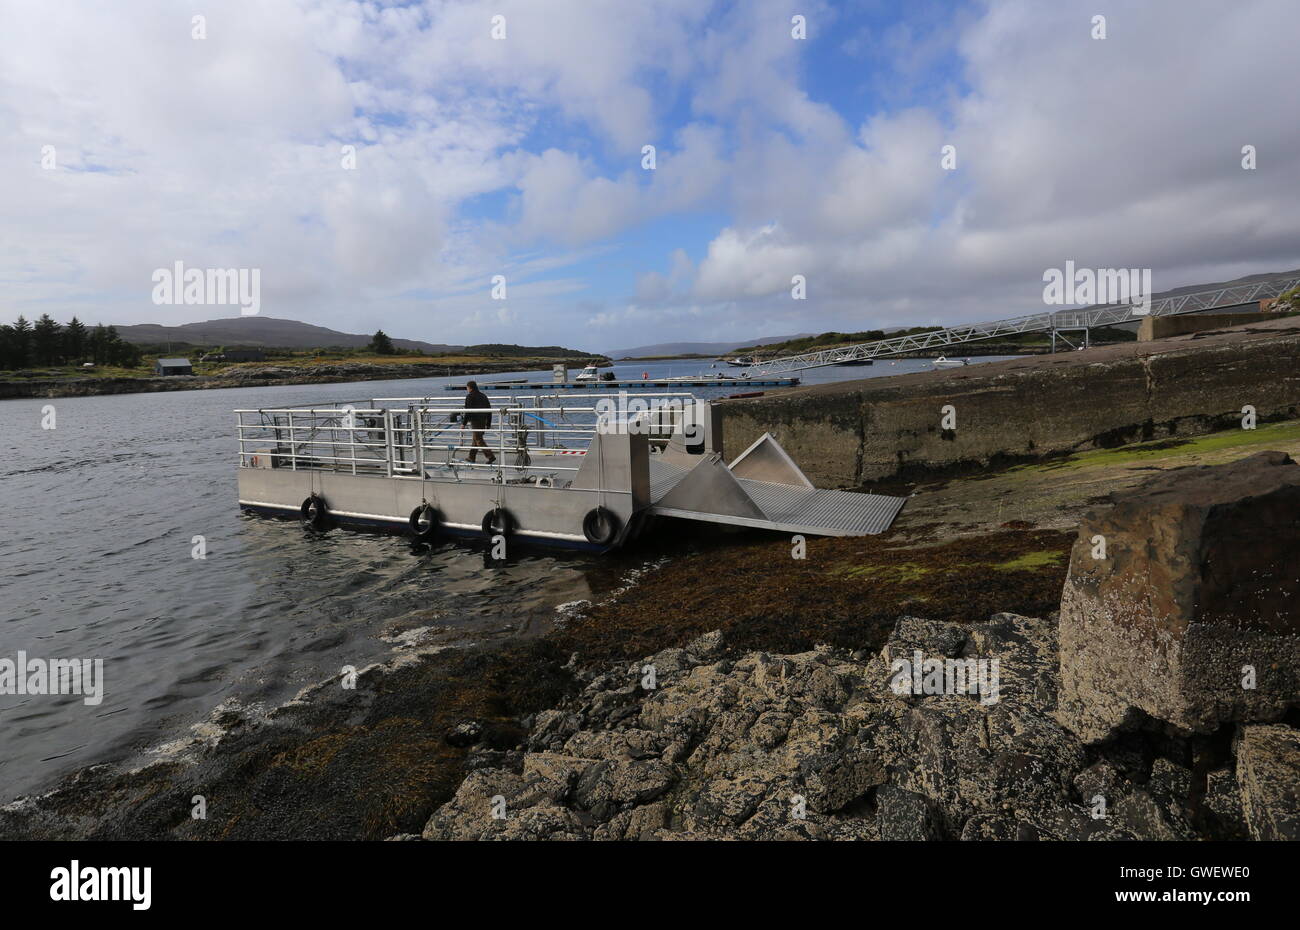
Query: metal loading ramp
{"x": 762, "y": 488}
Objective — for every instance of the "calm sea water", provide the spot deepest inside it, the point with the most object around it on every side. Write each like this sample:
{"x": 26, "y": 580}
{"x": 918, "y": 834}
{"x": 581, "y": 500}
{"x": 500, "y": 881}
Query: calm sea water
{"x": 95, "y": 562}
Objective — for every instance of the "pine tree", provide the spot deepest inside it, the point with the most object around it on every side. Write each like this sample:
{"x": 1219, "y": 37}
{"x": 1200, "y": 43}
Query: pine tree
{"x": 46, "y": 344}
{"x": 7, "y": 347}
{"x": 22, "y": 337}
{"x": 74, "y": 341}
{"x": 380, "y": 344}
{"x": 97, "y": 345}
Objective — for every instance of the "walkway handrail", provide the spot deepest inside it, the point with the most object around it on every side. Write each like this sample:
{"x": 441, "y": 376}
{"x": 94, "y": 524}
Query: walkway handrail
{"x": 1103, "y": 315}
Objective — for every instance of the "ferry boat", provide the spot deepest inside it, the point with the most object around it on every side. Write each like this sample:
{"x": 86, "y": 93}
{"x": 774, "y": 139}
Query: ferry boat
{"x": 566, "y": 470}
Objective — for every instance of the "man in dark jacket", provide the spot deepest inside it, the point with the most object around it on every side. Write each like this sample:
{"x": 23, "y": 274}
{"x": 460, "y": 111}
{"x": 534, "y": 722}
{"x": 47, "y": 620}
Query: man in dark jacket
{"x": 478, "y": 422}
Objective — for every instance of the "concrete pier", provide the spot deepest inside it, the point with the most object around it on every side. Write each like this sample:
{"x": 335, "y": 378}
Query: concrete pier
{"x": 854, "y": 432}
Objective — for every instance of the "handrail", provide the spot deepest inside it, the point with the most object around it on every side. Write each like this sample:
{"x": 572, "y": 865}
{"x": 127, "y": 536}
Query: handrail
{"x": 406, "y": 441}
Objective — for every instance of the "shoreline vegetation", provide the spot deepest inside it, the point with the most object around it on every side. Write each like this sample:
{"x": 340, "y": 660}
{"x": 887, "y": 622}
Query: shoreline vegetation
{"x": 48, "y": 359}
{"x": 69, "y": 382}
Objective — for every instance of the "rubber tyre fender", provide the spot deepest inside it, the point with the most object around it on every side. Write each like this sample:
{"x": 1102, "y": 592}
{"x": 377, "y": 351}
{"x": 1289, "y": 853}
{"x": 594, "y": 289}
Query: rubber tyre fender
{"x": 601, "y": 526}
{"x": 432, "y": 520}
{"x": 498, "y": 521}
{"x": 314, "y": 512}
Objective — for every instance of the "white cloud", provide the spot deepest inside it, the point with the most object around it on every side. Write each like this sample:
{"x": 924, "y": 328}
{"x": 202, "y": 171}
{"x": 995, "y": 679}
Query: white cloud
{"x": 1117, "y": 152}
{"x": 522, "y": 157}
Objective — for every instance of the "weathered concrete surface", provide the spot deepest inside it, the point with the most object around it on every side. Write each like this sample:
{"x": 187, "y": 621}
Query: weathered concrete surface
{"x": 1162, "y": 327}
{"x": 1268, "y": 770}
{"x": 854, "y": 432}
{"x": 1199, "y": 582}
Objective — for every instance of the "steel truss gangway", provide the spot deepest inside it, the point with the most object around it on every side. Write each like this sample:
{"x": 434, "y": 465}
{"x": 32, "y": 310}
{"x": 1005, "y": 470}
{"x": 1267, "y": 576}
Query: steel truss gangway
{"x": 1054, "y": 321}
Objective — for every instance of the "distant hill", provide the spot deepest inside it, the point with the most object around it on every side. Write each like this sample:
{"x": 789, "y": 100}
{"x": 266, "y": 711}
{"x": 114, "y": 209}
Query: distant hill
{"x": 500, "y": 350}
{"x": 696, "y": 348}
{"x": 263, "y": 331}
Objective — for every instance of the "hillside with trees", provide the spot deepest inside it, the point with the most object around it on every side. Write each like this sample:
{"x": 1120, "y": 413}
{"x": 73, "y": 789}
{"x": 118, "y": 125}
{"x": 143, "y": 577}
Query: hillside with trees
{"x": 48, "y": 343}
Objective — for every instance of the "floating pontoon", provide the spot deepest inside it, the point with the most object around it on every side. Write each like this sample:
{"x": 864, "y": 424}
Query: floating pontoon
{"x": 635, "y": 384}
{"x": 573, "y": 470}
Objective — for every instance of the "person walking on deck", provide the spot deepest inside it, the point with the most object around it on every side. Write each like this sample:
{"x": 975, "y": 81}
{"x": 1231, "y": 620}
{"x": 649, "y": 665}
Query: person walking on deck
{"x": 478, "y": 422}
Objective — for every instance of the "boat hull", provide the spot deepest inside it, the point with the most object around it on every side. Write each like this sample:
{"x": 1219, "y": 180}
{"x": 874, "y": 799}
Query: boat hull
{"x": 547, "y": 516}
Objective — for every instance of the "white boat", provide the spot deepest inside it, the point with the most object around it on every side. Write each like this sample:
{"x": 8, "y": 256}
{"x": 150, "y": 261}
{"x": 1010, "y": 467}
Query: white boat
{"x": 590, "y": 373}
{"x": 942, "y": 362}
{"x": 715, "y": 376}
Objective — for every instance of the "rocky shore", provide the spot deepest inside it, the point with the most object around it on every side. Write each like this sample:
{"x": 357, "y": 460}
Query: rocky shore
{"x": 1141, "y": 727}
{"x": 736, "y": 692}
{"x": 817, "y": 745}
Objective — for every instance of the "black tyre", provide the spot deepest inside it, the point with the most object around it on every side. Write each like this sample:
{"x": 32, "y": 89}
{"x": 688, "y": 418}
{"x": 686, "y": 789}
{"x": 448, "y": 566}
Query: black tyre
{"x": 315, "y": 515}
{"x": 426, "y": 523}
{"x": 498, "y": 522}
{"x": 601, "y": 526}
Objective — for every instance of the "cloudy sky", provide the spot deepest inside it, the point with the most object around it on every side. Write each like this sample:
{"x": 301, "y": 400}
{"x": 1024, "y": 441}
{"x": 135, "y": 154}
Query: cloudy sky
{"x": 522, "y": 156}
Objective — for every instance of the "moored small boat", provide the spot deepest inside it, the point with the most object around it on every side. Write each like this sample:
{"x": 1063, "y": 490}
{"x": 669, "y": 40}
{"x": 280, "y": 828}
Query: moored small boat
{"x": 942, "y": 362}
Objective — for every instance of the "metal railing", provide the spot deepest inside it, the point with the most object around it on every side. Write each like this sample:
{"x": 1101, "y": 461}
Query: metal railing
{"x": 1089, "y": 317}
{"x": 417, "y": 437}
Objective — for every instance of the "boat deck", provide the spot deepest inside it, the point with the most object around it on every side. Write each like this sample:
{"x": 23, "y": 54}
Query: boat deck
{"x": 564, "y": 473}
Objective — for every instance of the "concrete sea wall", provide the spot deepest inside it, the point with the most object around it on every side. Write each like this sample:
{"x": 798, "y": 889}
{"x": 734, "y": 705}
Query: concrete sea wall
{"x": 855, "y": 432}
{"x": 1162, "y": 327}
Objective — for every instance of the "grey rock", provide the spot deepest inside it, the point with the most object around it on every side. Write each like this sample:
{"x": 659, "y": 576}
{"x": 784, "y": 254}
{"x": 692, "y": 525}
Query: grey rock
{"x": 552, "y": 729}
{"x": 1100, "y": 780}
{"x": 934, "y": 638}
{"x": 1223, "y": 805}
{"x": 464, "y": 734}
{"x": 707, "y": 647}
{"x": 1268, "y": 769}
{"x": 905, "y": 815}
{"x": 610, "y": 786}
{"x": 1200, "y": 579}
{"x": 991, "y": 827}
{"x": 834, "y": 779}
{"x": 1160, "y": 809}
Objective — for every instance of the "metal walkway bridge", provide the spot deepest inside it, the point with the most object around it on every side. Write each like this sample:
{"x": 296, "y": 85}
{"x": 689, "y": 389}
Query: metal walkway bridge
{"x": 1054, "y": 321}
